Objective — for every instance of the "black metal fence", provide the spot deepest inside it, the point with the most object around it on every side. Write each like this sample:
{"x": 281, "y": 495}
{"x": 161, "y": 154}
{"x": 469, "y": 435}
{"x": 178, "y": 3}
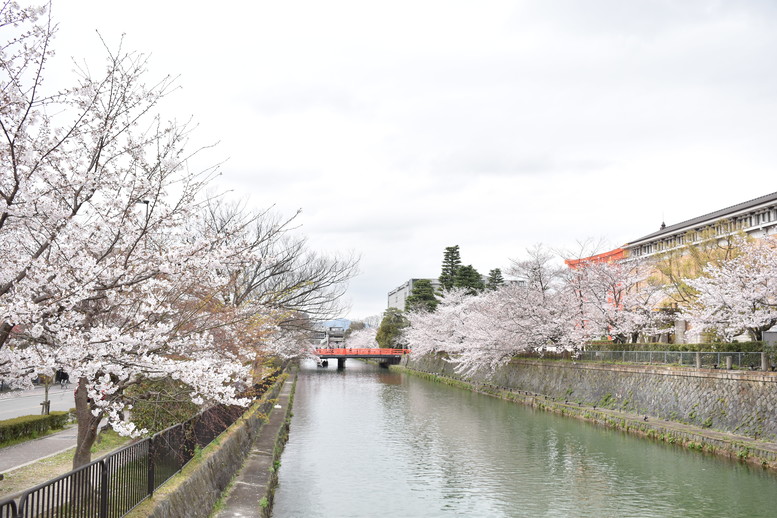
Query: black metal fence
{"x": 8, "y": 509}
{"x": 112, "y": 486}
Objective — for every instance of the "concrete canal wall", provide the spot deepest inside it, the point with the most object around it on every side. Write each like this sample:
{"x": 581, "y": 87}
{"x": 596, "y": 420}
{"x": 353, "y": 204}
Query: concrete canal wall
{"x": 737, "y": 402}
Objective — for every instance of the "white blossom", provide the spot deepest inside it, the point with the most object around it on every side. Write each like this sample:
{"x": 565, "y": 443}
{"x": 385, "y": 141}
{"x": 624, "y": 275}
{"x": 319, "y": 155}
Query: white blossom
{"x": 740, "y": 294}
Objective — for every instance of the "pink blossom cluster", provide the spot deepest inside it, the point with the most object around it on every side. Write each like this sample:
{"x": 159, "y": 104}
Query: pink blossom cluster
{"x": 738, "y": 295}
{"x": 556, "y": 310}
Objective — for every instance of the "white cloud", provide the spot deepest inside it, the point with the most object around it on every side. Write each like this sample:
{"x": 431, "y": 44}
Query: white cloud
{"x": 403, "y": 127}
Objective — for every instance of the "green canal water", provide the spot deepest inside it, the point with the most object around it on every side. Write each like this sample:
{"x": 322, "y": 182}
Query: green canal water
{"x": 366, "y": 442}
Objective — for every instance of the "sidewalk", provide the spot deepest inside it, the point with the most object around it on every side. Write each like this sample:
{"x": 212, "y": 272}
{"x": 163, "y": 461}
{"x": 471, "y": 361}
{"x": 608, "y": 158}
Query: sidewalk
{"x": 19, "y": 455}
{"x": 256, "y": 479}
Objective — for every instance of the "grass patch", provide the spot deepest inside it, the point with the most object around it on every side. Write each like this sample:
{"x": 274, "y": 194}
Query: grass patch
{"x": 45, "y": 469}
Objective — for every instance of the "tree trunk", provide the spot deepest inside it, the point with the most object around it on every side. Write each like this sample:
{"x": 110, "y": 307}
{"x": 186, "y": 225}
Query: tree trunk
{"x": 87, "y": 426}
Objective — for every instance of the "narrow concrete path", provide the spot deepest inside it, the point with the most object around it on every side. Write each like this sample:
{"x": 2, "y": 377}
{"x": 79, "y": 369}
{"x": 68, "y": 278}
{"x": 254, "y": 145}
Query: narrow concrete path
{"x": 22, "y": 454}
{"x": 255, "y": 479}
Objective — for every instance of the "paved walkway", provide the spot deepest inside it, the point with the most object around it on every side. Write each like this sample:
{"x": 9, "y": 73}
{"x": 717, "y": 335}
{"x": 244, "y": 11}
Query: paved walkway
{"x": 25, "y": 453}
{"x": 256, "y": 478}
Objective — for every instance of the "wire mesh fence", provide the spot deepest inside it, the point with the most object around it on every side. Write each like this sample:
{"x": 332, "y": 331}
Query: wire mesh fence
{"x": 711, "y": 360}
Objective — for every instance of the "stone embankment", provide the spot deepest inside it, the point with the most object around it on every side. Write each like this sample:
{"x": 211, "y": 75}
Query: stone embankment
{"x": 729, "y": 413}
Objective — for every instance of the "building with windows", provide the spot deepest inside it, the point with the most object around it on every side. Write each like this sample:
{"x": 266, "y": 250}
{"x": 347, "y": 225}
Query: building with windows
{"x": 398, "y": 296}
{"x": 757, "y": 218}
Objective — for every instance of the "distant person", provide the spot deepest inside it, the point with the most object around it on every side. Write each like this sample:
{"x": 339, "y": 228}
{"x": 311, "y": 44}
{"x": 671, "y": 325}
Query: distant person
{"x": 63, "y": 378}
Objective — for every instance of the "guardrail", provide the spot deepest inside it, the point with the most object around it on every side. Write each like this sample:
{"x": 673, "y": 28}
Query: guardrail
{"x": 713, "y": 360}
{"x": 112, "y": 486}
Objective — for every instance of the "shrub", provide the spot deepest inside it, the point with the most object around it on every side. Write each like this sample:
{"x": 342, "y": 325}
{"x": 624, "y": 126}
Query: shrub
{"x": 29, "y": 426}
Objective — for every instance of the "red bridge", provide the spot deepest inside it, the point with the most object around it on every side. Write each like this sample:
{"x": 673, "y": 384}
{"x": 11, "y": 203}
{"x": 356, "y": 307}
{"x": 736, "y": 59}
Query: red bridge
{"x": 387, "y": 356}
{"x": 360, "y": 353}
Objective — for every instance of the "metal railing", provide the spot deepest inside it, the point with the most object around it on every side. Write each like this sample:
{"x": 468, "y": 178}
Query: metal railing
{"x": 8, "y": 509}
{"x": 711, "y": 360}
{"x": 112, "y": 486}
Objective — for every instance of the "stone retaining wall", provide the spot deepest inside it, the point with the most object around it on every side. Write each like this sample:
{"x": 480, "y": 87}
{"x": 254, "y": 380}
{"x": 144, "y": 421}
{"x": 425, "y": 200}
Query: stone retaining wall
{"x": 741, "y": 402}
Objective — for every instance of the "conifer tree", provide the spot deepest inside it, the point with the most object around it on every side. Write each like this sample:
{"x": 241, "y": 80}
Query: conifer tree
{"x": 451, "y": 263}
{"x": 421, "y": 297}
{"x": 495, "y": 279}
{"x": 468, "y": 278}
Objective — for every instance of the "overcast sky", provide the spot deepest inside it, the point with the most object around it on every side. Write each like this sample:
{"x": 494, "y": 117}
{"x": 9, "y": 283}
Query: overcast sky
{"x": 402, "y": 127}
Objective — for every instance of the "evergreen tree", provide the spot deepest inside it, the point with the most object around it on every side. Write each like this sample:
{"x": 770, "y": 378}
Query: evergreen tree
{"x": 468, "y": 278}
{"x": 390, "y": 330}
{"x": 422, "y": 297}
{"x": 451, "y": 262}
{"x": 495, "y": 279}
{"x": 355, "y": 326}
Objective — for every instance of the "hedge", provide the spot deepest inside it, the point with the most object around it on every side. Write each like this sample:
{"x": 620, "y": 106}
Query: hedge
{"x": 31, "y": 425}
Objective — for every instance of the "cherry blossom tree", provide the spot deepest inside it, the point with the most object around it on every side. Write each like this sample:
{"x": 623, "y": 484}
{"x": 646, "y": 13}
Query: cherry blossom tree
{"x": 557, "y": 310}
{"x": 487, "y": 330}
{"x": 273, "y": 300}
{"x": 362, "y": 339}
{"x": 110, "y": 272}
{"x": 540, "y": 269}
{"x": 740, "y": 294}
{"x": 443, "y": 330}
{"x": 618, "y": 298}
{"x": 290, "y": 276}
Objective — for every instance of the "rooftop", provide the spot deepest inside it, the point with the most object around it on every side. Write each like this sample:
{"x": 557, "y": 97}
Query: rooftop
{"x": 712, "y": 216}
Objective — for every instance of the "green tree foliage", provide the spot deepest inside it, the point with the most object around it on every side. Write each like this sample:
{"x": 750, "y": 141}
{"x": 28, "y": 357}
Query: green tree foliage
{"x": 469, "y": 279}
{"x": 390, "y": 330}
{"x": 495, "y": 279}
{"x": 422, "y": 297}
{"x": 160, "y": 403}
{"x": 354, "y": 326}
{"x": 676, "y": 266}
{"x": 451, "y": 262}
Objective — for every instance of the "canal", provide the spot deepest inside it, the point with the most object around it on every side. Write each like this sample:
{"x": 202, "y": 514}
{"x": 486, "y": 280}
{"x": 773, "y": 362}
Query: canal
{"x": 366, "y": 442}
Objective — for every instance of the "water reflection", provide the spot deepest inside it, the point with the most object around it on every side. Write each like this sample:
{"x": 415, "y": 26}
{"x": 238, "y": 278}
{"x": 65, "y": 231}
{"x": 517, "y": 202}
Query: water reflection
{"x": 368, "y": 442}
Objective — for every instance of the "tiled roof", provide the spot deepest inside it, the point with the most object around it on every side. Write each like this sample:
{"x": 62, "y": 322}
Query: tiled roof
{"x": 712, "y": 216}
